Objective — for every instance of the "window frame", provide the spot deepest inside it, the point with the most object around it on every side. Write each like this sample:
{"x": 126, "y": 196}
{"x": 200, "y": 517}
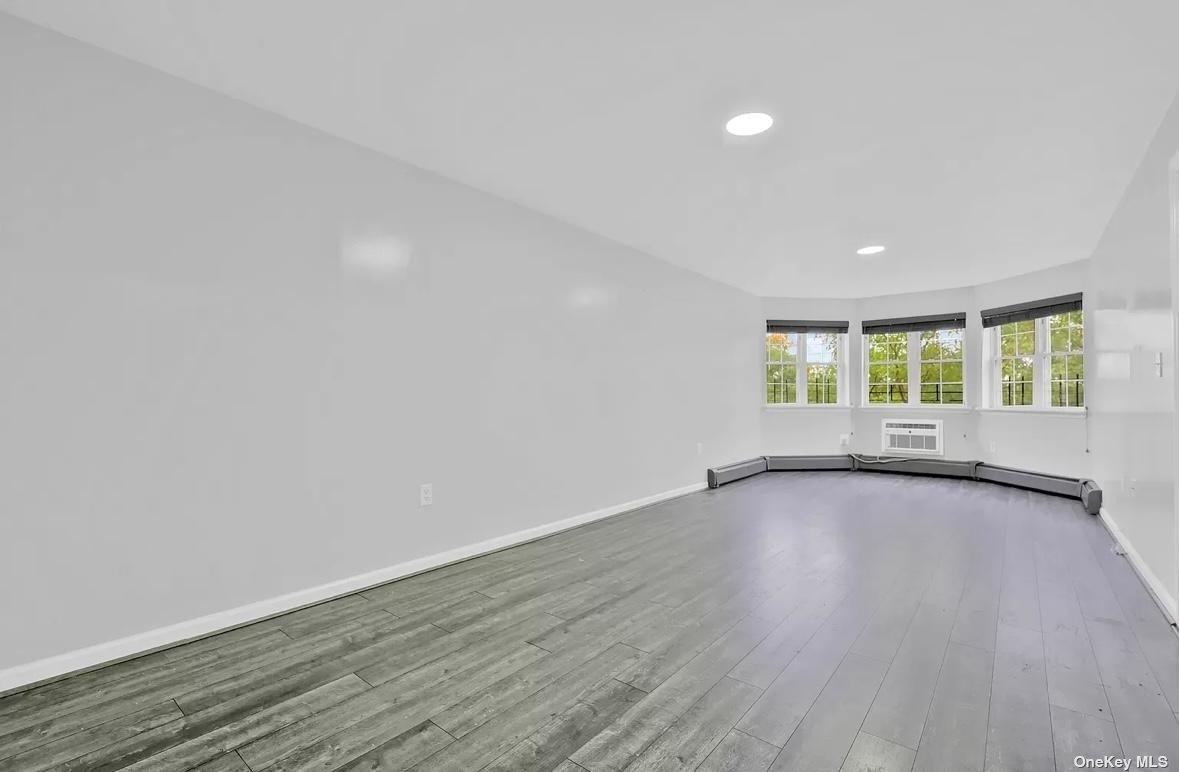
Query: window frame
{"x": 800, "y": 374}
{"x": 913, "y": 365}
{"x": 1041, "y": 369}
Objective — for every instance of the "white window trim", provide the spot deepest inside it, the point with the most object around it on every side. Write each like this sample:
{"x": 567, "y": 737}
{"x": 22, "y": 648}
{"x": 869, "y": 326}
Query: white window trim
{"x": 1041, "y": 375}
{"x": 914, "y": 371}
{"x": 800, "y": 383}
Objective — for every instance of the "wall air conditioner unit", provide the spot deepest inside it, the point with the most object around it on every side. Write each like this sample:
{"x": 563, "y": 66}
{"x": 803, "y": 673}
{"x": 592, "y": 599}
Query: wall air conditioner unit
{"x": 909, "y": 437}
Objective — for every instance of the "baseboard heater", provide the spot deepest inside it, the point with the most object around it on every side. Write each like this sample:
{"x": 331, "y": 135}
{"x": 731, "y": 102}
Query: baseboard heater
{"x": 1086, "y": 490}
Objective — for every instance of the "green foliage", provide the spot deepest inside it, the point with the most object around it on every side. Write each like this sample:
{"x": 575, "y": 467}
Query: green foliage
{"x": 821, "y": 383}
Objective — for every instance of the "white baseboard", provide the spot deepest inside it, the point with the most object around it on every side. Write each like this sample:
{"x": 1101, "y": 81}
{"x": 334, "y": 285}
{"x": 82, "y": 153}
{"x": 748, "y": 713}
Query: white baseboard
{"x": 23, "y": 676}
{"x": 1164, "y": 598}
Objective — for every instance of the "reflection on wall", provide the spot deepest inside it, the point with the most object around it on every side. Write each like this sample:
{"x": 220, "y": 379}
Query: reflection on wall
{"x": 1131, "y": 325}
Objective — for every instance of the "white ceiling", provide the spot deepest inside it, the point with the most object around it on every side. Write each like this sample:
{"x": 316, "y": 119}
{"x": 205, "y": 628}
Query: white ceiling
{"x": 978, "y": 140}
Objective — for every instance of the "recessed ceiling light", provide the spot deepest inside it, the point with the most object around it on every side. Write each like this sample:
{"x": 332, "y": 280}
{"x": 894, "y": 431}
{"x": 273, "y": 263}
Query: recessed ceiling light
{"x": 748, "y": 124}
{"x": 873, "y": 250}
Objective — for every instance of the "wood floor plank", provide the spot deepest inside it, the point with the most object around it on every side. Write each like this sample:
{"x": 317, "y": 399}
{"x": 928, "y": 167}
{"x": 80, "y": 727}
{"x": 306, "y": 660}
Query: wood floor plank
{"x": 40, "y": 756}
{"x": 1068, "y": 688}
{"x": 629, "y": 736}
{"x": 740, "y": 751}
{"x": 122, "y": 697}
{"x": 132, "y": 751}
{"x": 693, "y": 737}
{"x": 899, "y": 710}
{"x": 764, "y": 664}
{"x": 549, "y": 745}
{"x": 1019, "y": 735}
{"x": 213, "y": 744}
{"x": 230, "y": 762}
{"x": 955, "y": 733}
{"x": 361, "y": 725}
{"x": 335, "y": 658}
{"x": 403, "y": 751}
{"x": 825, "y": 736}
{"x": 874, "y": 754}
{"x": 496, "y": 736}
{"x": 1144, "y": 721}
{"x": 1076, "y": 734}
{"x": 496, "y": 657}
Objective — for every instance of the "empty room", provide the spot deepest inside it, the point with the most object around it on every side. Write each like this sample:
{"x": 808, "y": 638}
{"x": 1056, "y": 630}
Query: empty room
{"x": 531, "y": 385}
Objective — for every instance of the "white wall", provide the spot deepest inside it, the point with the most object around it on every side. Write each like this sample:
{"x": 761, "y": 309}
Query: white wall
{"x": 1130, "y": 320}
{"x": 1044, "y": 441}
{"x": 233, "y": 347}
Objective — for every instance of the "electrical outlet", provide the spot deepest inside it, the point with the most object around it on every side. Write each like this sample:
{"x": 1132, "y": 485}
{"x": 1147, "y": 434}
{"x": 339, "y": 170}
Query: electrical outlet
{"x": 425, "y": 494}
{"x": 699, "y": 448}
{"x": 844, "y": 440}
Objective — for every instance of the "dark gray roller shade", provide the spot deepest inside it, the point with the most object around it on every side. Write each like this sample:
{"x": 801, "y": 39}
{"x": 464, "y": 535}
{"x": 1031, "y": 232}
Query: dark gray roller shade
{"x": 796, "y": 325}
{"x": 1021, "y": 312}
{"x": 917, "y": 323}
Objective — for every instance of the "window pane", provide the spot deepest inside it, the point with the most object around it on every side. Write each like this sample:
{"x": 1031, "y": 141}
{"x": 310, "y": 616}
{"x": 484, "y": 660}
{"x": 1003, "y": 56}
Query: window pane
{"x": 888, "y": 369}
{"x": 1059, "y": 337}
{"x": 821, "y": 384}
{"x": 780, "y": 385}
{"x": 952, "y": 343}
{"x": 822, "y": 347}
{"x": 931, "y": 346}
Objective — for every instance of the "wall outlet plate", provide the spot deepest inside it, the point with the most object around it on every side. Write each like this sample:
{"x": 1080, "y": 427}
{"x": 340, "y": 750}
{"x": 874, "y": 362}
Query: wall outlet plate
{"x": 426, "y": 494}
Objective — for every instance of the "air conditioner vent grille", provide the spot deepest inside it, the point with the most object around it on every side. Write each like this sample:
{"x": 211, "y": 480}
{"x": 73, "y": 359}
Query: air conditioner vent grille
{"x": 911, "y": 437}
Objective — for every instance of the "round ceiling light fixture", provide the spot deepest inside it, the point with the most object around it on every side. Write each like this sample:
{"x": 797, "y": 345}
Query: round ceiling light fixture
{"x": 875, "y": 249}
{"x": 748, "y": 124}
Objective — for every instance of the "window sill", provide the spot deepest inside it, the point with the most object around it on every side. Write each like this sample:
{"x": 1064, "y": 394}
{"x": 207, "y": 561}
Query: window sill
{"x": 1059, "y": 412}
{"x": 927, "y": 406}
{"x": 828, "y": 406}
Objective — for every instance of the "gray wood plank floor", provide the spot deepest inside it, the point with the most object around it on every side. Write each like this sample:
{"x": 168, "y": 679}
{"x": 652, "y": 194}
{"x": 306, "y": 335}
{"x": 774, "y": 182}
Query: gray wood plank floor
{"x": 792, "y": 621}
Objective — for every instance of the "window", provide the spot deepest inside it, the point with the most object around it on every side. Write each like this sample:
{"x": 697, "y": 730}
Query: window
{"x": 1066, "y": 347}
{"x": 1037, "y": 353}
{"x": 822, "y": 368}
{"x": 781, "y": 368}
{"x": 803, "y": 362}
{"x": 1017, "y": 358}
{"x": 941, "y": 367}
{"x": 916, "y": 360}
{"x": 888, "y": 367}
